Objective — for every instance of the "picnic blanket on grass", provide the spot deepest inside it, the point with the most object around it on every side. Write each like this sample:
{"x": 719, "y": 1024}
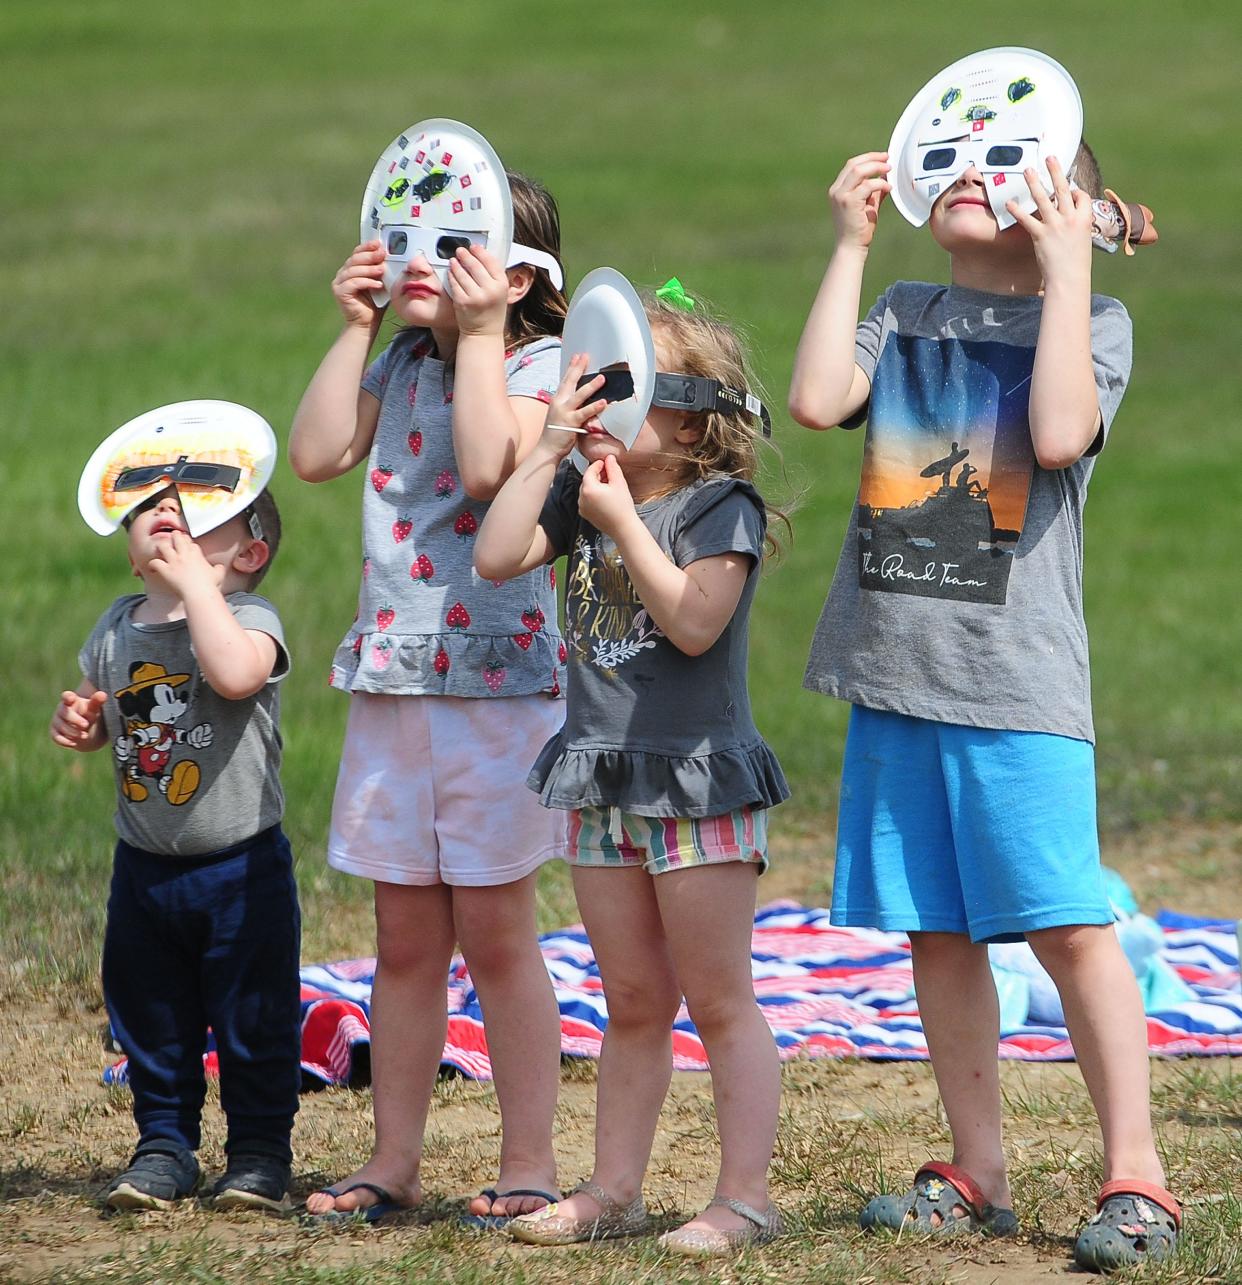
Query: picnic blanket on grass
{"x": 825, "y": 991}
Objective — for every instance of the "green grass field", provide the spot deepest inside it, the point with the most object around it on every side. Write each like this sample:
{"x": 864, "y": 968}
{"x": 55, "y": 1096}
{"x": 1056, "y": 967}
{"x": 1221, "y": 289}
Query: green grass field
{"x": 181, "y": 181}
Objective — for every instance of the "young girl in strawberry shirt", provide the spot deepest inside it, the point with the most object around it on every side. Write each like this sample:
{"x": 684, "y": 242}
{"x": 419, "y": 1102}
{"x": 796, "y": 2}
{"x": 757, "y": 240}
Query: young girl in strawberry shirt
{"x": 453, "y": 681}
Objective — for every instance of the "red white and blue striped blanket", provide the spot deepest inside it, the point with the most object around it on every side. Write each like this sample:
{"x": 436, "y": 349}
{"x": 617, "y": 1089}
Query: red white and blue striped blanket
{"x": 826, "y": 992}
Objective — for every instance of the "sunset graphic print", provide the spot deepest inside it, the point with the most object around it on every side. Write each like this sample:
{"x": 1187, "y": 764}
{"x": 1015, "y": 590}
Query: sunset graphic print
{"x": 946, "y": 468}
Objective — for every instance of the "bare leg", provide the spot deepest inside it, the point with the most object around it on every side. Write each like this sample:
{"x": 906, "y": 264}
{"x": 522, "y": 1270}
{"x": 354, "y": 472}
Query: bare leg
{"x": 1104, "y": 1013}
{"x": 496, "y": 929}
{"x": 961, "y": 1020}
{"x": 622, "y": 918}
{"x": 708, "y": 916}
{"x": 409, "y": 1018}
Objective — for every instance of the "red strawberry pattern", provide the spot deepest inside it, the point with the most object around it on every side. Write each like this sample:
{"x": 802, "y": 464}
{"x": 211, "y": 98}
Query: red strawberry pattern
{"x": 551, "y": 577}
{"x": 561, "y": 653}
{"x": 502, "y": 622}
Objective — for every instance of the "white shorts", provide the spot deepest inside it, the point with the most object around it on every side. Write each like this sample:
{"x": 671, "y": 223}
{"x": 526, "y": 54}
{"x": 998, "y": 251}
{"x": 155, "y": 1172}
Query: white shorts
{"x": 432, "y": 789}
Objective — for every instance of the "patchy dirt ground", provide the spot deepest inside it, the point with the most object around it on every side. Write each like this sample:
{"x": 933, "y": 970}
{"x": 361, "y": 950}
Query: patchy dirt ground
{"x": 847, "y": 1127}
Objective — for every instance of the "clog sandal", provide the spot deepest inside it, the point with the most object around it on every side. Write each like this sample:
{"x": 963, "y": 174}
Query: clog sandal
{"x": 944, "y": 1200}
{"x": 1134, "y": 1222}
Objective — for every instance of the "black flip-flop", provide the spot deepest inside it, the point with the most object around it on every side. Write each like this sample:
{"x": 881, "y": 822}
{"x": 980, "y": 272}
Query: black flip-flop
{"x": 493, "y": 1222}
{"x": 384, "y": 1205}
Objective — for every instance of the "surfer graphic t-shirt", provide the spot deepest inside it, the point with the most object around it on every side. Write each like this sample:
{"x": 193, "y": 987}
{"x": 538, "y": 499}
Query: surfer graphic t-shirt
{"x": 958, "y": 594}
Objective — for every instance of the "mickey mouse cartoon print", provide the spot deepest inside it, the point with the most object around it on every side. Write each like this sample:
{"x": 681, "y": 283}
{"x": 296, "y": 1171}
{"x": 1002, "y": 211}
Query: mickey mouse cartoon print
{"x": 152, "y": 704}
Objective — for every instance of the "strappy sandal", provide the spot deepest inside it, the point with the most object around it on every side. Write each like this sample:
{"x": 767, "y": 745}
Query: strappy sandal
{"x": 383, "y": 1205}
{"x": 548, "y": 1227}
{"x": 715, "y": 1242}
{"x": 943, "y": 1201}
{"x": 1134, "y": 1222}
{"x": 494, "y": 1222}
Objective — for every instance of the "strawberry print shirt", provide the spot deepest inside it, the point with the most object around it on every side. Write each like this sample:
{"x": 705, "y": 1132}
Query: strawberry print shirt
{"x": 427, "y": 623}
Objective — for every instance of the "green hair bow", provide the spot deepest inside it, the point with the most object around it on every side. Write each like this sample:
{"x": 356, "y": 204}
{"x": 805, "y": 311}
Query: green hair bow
{"x": 673, "y": 293}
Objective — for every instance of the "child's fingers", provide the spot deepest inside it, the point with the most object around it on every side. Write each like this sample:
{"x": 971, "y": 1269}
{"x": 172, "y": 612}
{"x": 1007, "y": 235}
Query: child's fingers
{"x": 1028, "y": 221}
{"x": 1039, "y": 194}
{"x": 486, "y": 261}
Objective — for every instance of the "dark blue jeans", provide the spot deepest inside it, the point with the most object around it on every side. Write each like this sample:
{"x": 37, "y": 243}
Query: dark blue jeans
{"x": 208, "y": 941}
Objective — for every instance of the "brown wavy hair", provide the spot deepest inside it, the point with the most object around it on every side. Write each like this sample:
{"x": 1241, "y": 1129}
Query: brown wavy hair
{"x": 698, "y": 343}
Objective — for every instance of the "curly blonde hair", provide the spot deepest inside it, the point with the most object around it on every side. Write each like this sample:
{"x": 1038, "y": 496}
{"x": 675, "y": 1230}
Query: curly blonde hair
{"x": 697, "y": 343}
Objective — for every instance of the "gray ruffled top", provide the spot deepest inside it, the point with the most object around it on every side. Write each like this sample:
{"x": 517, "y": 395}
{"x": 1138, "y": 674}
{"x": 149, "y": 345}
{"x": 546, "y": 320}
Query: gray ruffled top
{"x": 649, "y": 729}
{"x": 428, "y": 623}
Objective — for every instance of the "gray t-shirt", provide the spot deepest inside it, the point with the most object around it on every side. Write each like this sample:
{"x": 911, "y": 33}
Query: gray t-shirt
{"x": 649, "y": 729}
{"x": 958, "y": 594}
{"x": 194, "y": 772}
{"x": 428, "y": 624}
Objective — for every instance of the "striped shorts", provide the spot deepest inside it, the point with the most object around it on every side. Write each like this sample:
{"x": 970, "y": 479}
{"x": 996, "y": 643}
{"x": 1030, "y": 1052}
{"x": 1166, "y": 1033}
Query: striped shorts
{"x": 602, "y": 837}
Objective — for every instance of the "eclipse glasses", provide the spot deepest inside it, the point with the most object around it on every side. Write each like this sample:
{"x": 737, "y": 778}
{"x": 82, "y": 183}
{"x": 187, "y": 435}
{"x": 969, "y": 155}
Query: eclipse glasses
{"x": 682, "y": 392}
{"x": 439, "y": 246}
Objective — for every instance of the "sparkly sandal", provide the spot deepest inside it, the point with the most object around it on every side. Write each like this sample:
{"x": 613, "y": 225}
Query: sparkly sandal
{"x": 944, "y": 1200}
{"x": 714, "y": 1242}
{"x": 1134, "y": 1222}
{"x": 548, "y": 1227}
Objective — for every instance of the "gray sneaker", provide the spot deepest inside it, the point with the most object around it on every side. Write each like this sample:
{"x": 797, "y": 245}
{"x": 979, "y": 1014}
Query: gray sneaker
{"x": 253, "y": 1181}
{"x": 159, "y": 1174}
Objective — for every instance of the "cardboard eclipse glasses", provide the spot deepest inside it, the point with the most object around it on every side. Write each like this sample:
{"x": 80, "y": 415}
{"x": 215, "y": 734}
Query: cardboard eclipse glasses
{"x": 682, "y": 392}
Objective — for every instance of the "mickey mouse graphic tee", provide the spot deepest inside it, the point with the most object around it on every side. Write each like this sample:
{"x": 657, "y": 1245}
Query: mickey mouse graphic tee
{"x": 194, "y": 772}
{"x": 958, "y": 593}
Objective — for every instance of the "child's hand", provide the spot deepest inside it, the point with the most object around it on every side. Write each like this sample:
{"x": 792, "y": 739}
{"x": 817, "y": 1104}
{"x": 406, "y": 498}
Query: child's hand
{"x": 572, "y": 407}
{"x": 604, "y": 498}
{"x": 480, "y": 289}
{"x": 75, "y": 725}
{"x": 1061, "y": 234}
{"x": 361, "y": 273}
{"x": 182, "y": 566}
{"x": 856, "y": 197}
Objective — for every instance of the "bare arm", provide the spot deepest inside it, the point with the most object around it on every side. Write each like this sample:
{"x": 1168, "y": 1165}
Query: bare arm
{"x": 334, "y": 425}
{"x": 692, "y": 604}
{"x": 78, "y": 722}
{"x": 492, "y": 432}
{"x": 511, "y": 540}
{"x": 828, "y": 386}
{"x": 236, "y": 662}
{"x": 1064, "y": 408}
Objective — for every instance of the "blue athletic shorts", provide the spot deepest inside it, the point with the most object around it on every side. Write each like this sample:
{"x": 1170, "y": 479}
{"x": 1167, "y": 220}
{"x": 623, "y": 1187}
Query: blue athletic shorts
{"x": 945, "y": 828}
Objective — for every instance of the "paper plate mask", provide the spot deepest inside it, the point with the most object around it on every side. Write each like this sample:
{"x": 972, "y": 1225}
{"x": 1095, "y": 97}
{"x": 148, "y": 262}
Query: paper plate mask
{"x": 218, "y": 455}
{"x": 1002, "y": 111}
{"x": 607, "y": 322}
{"x": 437, "y": 188}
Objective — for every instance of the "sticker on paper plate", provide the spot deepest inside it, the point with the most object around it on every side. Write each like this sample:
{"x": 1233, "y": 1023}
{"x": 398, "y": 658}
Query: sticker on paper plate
{"x": 218, "y": 455}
